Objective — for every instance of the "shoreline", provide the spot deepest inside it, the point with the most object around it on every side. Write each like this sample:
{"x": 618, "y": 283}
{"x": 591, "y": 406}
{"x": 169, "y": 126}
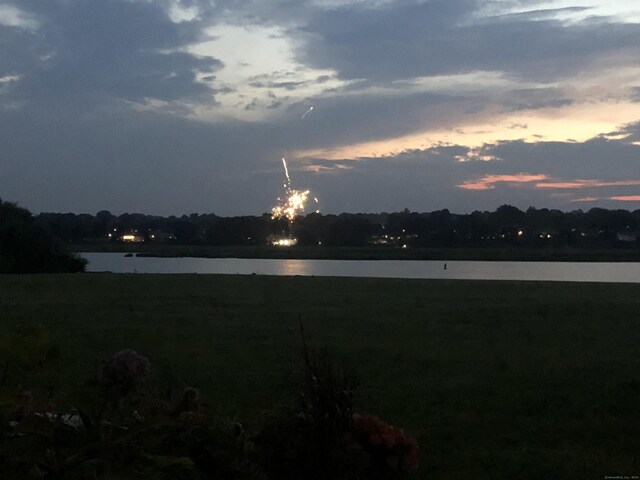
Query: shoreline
{"x": 515, "y": 254}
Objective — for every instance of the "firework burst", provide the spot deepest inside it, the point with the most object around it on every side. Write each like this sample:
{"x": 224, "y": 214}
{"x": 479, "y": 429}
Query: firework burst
{"x": 294, "y": 201}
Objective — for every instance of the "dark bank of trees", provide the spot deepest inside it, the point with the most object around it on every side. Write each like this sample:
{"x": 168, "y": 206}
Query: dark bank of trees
{"x": 26, "y": 247}
{"x": 505, "y": 227}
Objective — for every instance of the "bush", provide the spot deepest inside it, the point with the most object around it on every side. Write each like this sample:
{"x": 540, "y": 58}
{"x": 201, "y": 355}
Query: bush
{"x": 311, "y": 440}
{"x": 322, "y": 438}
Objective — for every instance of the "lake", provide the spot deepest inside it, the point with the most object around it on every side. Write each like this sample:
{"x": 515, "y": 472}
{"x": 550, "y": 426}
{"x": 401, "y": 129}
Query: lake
{"x": 458, "y": 270}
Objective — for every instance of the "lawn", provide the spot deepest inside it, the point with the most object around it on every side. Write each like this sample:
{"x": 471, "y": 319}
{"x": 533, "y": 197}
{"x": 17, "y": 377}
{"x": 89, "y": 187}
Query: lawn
{"x": 496, "y": 380}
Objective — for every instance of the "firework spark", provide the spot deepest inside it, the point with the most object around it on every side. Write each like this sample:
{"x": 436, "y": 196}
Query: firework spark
{"x": 294, "y": 202}
{"x": 306, "y": 113}
{"x": 286, "y": 172}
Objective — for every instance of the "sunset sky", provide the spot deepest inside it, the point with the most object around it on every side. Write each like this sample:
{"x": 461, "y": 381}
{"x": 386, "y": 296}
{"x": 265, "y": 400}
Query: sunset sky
{"x": 179, "y": 106}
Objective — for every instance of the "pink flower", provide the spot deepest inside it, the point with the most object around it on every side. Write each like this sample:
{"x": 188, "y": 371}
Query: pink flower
{"x": 385, "y": 441}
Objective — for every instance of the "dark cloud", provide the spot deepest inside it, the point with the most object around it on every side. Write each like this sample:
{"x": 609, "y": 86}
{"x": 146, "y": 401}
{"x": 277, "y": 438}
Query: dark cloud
{"x": 280, "y": 85}
{"x": 95, "y": 52}
{"x": 123, "y": 161}
{"x": 165, "y": 164}
{"x": 281, "y": 80}
{"x": 429, "y": 179}
{"x": 534, "y": 98}
{"x": 539, "y": 14}
{"x": 353, "y": 116}
{"x": 345, "y": 119}
{"x": 74, "y": 136}
{"x": 12, "y": 50}
{"x": 442, "y": 37}
{"x": 632, "y": 131}
{"x": 596, "y": 158}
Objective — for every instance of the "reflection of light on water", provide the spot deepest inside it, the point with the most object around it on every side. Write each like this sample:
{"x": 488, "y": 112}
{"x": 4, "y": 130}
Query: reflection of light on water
{"x": 295, "y": 267}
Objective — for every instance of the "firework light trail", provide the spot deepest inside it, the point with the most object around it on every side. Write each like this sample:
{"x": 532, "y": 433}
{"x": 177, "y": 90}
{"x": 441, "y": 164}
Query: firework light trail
{"x": 306, "y": 113}
{"x": 286, "y": 172}
{"x": 294, "y": 202}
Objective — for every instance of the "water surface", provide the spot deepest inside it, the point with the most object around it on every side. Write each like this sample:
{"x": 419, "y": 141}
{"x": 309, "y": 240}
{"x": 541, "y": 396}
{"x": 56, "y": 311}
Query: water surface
{"x": 459, "y": 270}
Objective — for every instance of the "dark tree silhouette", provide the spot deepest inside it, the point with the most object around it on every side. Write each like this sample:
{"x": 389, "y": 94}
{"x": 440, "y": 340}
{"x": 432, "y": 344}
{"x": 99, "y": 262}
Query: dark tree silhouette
{"x": 27, "y": 248}
{"x": 508, "y": 226}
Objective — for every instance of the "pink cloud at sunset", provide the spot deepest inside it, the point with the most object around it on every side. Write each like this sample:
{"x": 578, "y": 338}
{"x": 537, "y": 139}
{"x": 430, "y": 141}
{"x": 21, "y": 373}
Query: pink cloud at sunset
{"x": 586, "y": 199}
{"x": 488, "y": 182}
{"x": 626, "y": 198}
{"x": 587, "y": 184}
{"x": 617, "y": 198}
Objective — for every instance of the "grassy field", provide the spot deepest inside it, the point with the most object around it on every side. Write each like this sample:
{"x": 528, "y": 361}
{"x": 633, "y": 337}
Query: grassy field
{"x": 496, "y": 380}
{"x": 380, "y": 252}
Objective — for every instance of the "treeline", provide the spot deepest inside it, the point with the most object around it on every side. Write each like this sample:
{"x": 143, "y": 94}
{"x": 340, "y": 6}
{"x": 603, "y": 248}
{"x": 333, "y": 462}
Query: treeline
{"x": 507, "y": 226}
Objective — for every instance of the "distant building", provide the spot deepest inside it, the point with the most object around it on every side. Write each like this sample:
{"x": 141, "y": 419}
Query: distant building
{"x": 132, "y": 238}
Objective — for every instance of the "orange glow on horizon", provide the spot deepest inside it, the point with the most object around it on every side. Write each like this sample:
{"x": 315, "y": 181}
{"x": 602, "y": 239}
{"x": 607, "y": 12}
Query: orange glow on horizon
{"x": 570, "y": 123}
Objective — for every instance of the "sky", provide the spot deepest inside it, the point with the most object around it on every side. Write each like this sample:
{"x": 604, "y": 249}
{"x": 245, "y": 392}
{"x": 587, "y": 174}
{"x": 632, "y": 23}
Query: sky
{"x": 177, "y": 106}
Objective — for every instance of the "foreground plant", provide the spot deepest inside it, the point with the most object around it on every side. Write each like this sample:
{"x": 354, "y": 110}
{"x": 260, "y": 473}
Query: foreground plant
{"x": 131, "y": 428}
{"x": 323, "y": 438}
{"x": 128, "y": 431}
